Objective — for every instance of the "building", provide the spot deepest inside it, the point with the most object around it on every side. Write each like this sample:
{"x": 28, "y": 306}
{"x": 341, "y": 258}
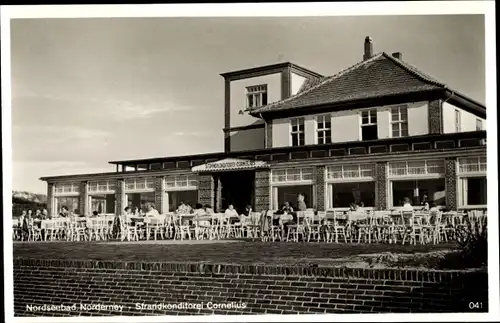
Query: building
{"x": 376, "y": 132}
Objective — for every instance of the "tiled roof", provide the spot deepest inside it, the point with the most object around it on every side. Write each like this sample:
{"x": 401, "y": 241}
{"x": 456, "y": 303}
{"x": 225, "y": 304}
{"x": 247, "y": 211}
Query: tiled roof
{"x": 381, "y": 75}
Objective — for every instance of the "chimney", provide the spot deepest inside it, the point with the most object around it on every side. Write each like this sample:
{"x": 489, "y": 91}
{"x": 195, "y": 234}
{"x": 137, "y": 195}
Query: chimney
{"x": 368, "y": 48}
{"x": 397, "y": 55}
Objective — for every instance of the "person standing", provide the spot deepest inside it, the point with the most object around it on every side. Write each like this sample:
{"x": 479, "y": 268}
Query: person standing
{"x": 301, "y": 204}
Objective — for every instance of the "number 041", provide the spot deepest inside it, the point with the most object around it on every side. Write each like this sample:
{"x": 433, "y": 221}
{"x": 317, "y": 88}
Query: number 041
{"x": 475, "y": 305}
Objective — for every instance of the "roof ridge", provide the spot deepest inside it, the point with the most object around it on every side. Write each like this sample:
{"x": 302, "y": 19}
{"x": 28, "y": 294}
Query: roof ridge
{"x": 324, "y": 81}
{"x": 414, "y": 71}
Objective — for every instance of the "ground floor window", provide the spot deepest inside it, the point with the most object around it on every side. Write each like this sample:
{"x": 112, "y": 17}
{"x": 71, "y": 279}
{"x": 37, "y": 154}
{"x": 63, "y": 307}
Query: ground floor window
{"x": 140, "y": 200}
{"x": 419, "y": 191}
{"x": 473, "y": 191}
{"x": 289, "y": 194}
{"x": 345, "y": 194}
{"x": 103, "y": 203}
{"x": 176, "y": 197}
{"x": 72, "y": 203}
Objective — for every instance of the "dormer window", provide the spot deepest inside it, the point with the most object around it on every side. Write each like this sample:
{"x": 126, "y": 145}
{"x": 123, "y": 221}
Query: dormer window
{"x": 256, "y": 96}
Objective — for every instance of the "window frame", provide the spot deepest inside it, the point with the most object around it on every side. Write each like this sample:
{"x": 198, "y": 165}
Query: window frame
{"x": 301, "y": 134}
{"x": 479, "y": 124}
{"x": 400, "y": 121}
{"x": 326, "y": 132}
{"x": 254, "y": 92}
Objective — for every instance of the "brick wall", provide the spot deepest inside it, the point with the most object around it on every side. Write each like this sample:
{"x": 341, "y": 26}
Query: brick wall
{"x": 120, "y": 196}
{"x": 254, "y": 289}
{"x": 51, "y": 199}
{"x": 381, "y": 186}
{"x": 262, "y": 189}
{"x": 320, "y": 188}
{"x": 206, "y": 189}
{"x": 160, "y": 194}
{"x": 450, "y": 183}
{"x": 269, "y": 134}
{"x": 435, "y": 116}
{"x": 83, "y": 202}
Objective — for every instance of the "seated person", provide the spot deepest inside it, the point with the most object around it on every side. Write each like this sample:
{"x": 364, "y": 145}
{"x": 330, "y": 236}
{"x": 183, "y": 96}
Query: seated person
{"x": 246, "y": 214}
{"x": 407, "y": 205}
{"x": 64, "y": 212}
{"x": 426, "y": 206}
{"x": 208, "y": 209}
{"x": 231, "y": 212}
{"x": 128, "y": 211}
{"x": 434, "y": 208}
{"x": 151, "y": 211}
{"x": 183, "y": 209}
{"x": 287, "y": 208}
{"x": 199, "y": 210}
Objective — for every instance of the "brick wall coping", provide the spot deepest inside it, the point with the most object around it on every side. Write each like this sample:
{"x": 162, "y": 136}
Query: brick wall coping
{"x": 419, "y": 275}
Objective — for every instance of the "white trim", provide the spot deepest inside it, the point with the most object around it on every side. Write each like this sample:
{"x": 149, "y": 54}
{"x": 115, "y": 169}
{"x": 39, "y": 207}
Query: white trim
{"x": 181, "y": 188}
{"x": 291, "y": 133}
{"x": 415, "y": 177}
{"x": 350, "y": 180}
{"x": 295, "y": 183}
{"x": 67, "y": 194}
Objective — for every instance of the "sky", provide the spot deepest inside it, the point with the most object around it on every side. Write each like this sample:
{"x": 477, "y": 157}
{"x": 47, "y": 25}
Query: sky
{"x": 88, "y": 91}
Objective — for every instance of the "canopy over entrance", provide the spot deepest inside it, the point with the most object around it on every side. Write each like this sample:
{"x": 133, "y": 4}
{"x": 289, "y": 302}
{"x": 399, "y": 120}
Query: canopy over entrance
{"x": 230, "y": 164}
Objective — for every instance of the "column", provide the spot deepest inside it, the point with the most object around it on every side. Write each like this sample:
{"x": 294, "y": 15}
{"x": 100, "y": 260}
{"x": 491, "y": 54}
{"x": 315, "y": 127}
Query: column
{"x": 450, "y": 183}
{"x": 269, "y": 134}
{"x": 435, "y": 117}
{"x": 262, "y": 189}
{"x": 84, "y": 199}
{"x": 51, "y": 200}
{"x": 218, "y": 192}
{"x": 320, "y": 188}
{"x": 206, "y": 189}
{"x": 120, "y": 196}
{"x": 160, "y": 194}
{"x": 381, "y": 186}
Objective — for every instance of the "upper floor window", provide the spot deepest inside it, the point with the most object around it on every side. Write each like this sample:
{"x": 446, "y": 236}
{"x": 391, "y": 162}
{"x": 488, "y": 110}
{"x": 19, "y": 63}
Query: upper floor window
{"x": 369, "y": 125}
{"x": 256, "y": 96}
{"x": 399, "y": 121}
{"x": 324, "y": 129}
{"x": 297, "y": 133}
{"x": 479, "y": 124}
{"x": 457, "y": 121}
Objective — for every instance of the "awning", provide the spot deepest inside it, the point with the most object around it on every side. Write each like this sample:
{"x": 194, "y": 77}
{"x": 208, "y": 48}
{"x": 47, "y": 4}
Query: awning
{"x": 229, "y": 164}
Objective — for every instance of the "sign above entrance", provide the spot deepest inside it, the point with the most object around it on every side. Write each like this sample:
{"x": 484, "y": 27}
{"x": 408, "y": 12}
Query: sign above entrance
{"x": 230, "y": 164}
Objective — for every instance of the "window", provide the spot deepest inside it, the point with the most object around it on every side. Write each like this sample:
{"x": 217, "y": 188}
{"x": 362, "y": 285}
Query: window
{"x": 479, "y": 124}
{"x": 103, "y": 203}
{"x": 419, "y": 191}
{"x": 181, "y": 181}
{"x": 350, "y": 172}
{"x": 290, "y": 193}
{"x": 175, "y": 198}
{"x": 292, "y": 175}
{"x": 297, "y": 133}
{"x": 72, "y": 203}
{"x": 324, "y": 129}
{"x": 472, "y": 164}
{"x": 369, "y": 125}
{"x": 344, "y": 194}
{"x": 416, "y": 168}
{"x": 399, "y": 121}
{"x": 473, "y": 191}
{"x": 256, "y": 96}
{"x": 67, "y": 188}
{"x": 457, "y": 121}
{"x": 139, "y": 184}
{"x": 101, "y": 186}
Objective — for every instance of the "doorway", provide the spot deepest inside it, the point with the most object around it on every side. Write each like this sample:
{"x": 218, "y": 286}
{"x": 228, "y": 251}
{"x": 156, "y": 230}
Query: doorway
{"x": 237, "y": 188}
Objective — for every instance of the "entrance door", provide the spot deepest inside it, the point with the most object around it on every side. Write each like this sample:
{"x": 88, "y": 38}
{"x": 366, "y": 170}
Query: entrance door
{"x": 237, "y": 188}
